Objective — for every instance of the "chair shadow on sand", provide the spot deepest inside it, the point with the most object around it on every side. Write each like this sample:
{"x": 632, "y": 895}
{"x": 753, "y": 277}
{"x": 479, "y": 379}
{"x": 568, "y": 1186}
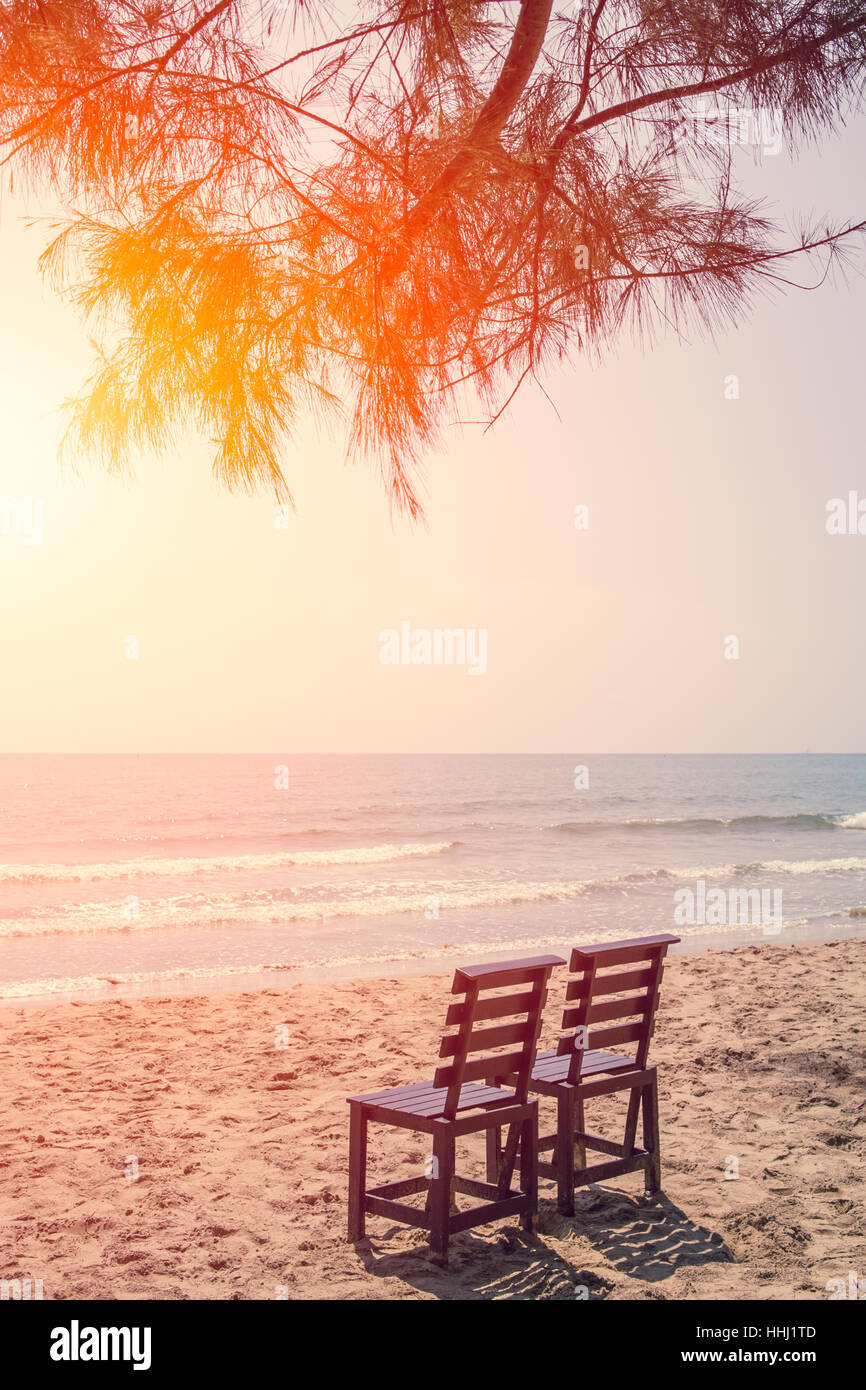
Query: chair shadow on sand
{"x": 647, "y": 1242}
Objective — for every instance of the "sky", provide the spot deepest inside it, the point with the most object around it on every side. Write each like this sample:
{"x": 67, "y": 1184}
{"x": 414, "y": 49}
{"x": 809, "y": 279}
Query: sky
{"x": 706, "y": 522}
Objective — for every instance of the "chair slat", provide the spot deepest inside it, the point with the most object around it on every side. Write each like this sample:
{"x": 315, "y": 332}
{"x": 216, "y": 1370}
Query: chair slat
{"x": 480, "y": 1068}
{"x": 618, "y": 983}
{"x": 621, "y": 952}
{"x": 551, "y": 1065}
{"x": 428, "y": 1101}
{"x": 622, "y": 1033}
{"x": 496, "y": 1006}
{"x": 606, "y": 1009}
{"x": 496, "y": 974}
{"x": 503, "y": 1063}
{"x": 488, "y": 1037}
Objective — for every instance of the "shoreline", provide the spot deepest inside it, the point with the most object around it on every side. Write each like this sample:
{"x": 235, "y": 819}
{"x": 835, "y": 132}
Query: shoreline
{"x": 243, "y": 979}
{"x": 231, "y": 1111}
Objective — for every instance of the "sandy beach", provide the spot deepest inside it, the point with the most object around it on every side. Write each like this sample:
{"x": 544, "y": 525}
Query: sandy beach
{"x": 197, "y": 1147}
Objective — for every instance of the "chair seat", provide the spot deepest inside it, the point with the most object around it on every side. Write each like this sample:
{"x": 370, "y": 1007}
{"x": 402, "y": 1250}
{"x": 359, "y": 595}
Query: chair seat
{"x": 553, "y": 1066}
{"x": 428, "y": 1100}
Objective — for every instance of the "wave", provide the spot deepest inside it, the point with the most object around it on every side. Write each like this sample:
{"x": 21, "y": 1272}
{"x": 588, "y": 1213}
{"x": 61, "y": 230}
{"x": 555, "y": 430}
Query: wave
{"x": 138, "y": 868}
{"x": 856, "y": 821}
{"x": 419, "y": 901}
{"x": 801, "y": 821}
{"x": 758, "y": 866}
{"x": 199, "y": 910}
{"x": 221, "y": 836}
{"x": 806, "y": 866}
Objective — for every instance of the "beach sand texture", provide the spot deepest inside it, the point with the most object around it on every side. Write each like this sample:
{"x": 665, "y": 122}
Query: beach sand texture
{"x": 170, "y": 1148}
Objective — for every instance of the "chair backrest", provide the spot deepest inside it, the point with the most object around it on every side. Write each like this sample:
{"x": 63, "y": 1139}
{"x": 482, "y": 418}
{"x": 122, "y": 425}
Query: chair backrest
{"x": 592, "y": 998}
{"x": 527, "y": 981}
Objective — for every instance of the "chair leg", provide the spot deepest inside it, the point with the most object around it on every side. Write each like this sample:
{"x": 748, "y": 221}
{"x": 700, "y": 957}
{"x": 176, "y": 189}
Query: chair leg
{"x": 494, "y": 1152}
{"x": 579, "y": 1145}
{"x": 651, "y": 1139}
{"x": 529, "y": 1171}
{"x": 634, "y": 1104}
{"x": 357, "y": 1170}
{"x": 509, "y": 1158}
{"x": 440, "y": 1188}
{"x": 565, "y": 1116}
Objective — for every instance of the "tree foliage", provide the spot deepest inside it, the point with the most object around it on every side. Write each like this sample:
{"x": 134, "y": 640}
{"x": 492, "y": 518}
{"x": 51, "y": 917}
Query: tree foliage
{"x": 378, "y": 208}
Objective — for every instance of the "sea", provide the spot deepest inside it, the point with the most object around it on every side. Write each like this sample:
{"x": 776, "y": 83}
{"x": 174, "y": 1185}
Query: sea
{"x": 144, "y": 875}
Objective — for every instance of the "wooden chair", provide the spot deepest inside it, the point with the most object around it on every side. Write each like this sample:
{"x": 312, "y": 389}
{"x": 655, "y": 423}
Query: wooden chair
{"x": 599, "y": 991}
{"x": 452, "y": 1105}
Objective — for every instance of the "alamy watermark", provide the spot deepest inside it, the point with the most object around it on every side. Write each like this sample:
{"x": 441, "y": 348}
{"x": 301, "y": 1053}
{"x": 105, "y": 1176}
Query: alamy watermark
{"x": 852, "y": 1287}
{"x": 441, "y": 646}
{"x": 21, "y": 1289}
{"x": 77, "y": 1343}
{"x": 846, "y": 517}
{"x": 22, "y": 517}
{"x": 758, "y": 128}
{"x": 718, "y": 907}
